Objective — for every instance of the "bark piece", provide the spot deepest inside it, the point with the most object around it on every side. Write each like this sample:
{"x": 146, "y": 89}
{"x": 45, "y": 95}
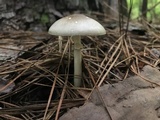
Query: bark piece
{"x": 131, "y": 99}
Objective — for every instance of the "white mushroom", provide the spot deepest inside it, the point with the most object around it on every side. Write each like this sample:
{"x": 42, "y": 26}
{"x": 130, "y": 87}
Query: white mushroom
{"x": 77, "y": 25}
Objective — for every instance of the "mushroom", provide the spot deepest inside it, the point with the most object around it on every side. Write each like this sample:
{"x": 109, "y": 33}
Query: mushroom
{"x": 77, "y": 25}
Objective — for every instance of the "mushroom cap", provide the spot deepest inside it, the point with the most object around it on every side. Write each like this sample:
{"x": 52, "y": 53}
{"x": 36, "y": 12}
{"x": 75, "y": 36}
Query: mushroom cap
{"x": 76, "y": 24}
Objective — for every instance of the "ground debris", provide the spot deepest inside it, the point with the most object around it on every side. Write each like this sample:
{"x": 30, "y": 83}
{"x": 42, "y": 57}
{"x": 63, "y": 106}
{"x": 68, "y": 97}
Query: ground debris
{"x": 108, "y": 59}
{"x": 14, "y": 43}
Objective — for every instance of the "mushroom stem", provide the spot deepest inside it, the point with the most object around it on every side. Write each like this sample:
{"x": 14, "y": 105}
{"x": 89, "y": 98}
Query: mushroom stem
{"x": 60, "y": 43}
{"x": 77, "y": 60}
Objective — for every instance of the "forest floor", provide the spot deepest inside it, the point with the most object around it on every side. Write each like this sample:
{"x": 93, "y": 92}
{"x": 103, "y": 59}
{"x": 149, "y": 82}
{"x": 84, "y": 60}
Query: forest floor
{"x": 121, "y": 70}
{"x": 121, "y": 76}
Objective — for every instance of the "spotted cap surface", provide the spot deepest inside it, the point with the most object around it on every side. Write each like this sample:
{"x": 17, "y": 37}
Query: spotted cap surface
{"x": 76, "y": 24}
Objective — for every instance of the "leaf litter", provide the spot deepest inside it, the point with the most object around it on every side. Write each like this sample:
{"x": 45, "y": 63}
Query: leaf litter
{"x": 43, "y": 75}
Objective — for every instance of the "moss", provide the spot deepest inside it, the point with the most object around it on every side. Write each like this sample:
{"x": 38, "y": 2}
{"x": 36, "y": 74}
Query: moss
{"x": 44, "y": 18}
